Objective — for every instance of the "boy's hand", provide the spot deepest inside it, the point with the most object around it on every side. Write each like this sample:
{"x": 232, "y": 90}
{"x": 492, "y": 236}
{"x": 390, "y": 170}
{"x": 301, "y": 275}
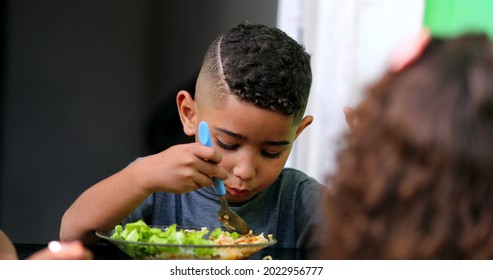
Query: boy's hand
{"x": 181, "y": 168}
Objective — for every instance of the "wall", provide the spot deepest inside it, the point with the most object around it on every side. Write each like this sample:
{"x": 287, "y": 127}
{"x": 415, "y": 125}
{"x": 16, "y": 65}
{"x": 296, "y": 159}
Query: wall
{"x": 81, "y": 82}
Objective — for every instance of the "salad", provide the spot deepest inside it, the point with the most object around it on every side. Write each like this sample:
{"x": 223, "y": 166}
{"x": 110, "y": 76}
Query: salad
{"x": 142, "y": 241}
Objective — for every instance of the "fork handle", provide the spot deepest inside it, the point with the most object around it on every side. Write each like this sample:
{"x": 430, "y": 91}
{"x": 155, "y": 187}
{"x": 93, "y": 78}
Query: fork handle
{"x": 219, "y": 186}
{"x": 205, "y": 139}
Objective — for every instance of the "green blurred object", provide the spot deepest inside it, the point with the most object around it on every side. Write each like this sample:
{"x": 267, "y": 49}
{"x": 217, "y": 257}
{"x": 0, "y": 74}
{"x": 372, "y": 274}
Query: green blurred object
{"x": 450, "y": 18}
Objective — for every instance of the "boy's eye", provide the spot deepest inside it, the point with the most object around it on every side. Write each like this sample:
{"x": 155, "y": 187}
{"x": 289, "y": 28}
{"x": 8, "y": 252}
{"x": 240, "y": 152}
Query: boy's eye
{"x": 226, "y": 146}
{"x": 234, "y": 147}
{"x": 271, "y": 155}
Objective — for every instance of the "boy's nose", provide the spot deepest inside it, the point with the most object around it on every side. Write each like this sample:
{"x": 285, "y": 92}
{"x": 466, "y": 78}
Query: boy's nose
{"x": 245, "y": 167}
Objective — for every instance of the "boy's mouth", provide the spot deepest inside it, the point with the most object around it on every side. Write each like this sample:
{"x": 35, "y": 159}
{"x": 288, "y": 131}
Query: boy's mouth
{"x": 237, "y": 193}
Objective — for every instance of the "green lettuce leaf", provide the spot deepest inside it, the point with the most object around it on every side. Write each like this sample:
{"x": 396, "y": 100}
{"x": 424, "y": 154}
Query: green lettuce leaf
{"x": 140, "y": 232}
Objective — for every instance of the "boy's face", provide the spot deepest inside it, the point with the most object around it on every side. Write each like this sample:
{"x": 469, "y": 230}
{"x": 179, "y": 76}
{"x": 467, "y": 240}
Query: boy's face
{"x": 255, "y": 143}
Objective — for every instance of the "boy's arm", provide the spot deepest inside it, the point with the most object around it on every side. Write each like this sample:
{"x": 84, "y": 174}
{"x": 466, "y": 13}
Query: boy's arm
{"x": 179, "y": 169}
{"x": 103, "y": 206}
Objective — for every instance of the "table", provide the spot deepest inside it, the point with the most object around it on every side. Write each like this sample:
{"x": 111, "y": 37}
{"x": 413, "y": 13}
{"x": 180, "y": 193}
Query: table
{"x": 101, "y": 251}
{"x": 104, "y": 250}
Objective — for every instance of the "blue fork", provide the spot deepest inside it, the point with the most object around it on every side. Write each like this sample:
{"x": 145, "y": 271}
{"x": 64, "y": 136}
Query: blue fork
{"x": 228, "y": 218}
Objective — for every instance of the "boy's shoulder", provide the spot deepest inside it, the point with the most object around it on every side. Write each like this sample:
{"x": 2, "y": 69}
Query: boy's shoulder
{"x": 293, "y": 172}
{"x": 297, "y": 177}
{"x": 296, "y": 186}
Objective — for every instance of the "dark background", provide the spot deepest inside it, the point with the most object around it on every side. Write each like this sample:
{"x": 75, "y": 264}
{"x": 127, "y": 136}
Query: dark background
{"x": 88, "y": 86}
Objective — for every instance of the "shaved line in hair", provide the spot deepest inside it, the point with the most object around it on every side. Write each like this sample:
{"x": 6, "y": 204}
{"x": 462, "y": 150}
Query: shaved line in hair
{"x": 220, "y": 64}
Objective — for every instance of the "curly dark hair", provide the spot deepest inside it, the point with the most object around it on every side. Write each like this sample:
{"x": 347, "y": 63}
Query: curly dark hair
{"x": 262, "y": 65}
{"x": 415, "y": 179}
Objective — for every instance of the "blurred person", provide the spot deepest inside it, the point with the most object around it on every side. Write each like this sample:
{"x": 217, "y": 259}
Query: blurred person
{"x": 55, "y": 250}
{"x": 415, "y": 178}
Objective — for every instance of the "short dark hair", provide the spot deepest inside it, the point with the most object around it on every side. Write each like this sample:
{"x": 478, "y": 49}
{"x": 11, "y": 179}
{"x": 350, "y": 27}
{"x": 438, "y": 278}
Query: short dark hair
{"x": 262, "y": 65}
{"x": 415, "y": 180}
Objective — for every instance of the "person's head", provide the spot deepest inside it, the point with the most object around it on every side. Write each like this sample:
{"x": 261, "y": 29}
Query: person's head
{"x": 252, "y": 90}
{"x": 415, "y": 179}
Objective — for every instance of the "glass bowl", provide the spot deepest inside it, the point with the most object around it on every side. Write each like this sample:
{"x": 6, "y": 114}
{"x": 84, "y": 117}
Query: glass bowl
{"x": 154, "y": 251}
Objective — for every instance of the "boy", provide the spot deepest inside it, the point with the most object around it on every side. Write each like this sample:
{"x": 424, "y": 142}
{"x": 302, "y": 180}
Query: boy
{"x": 252, "y": 90}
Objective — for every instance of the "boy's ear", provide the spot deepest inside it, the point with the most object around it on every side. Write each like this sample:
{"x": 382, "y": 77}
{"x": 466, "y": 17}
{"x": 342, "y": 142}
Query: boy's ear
{"x": 306, "y": 121}
{"x": 187, "y": 111}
